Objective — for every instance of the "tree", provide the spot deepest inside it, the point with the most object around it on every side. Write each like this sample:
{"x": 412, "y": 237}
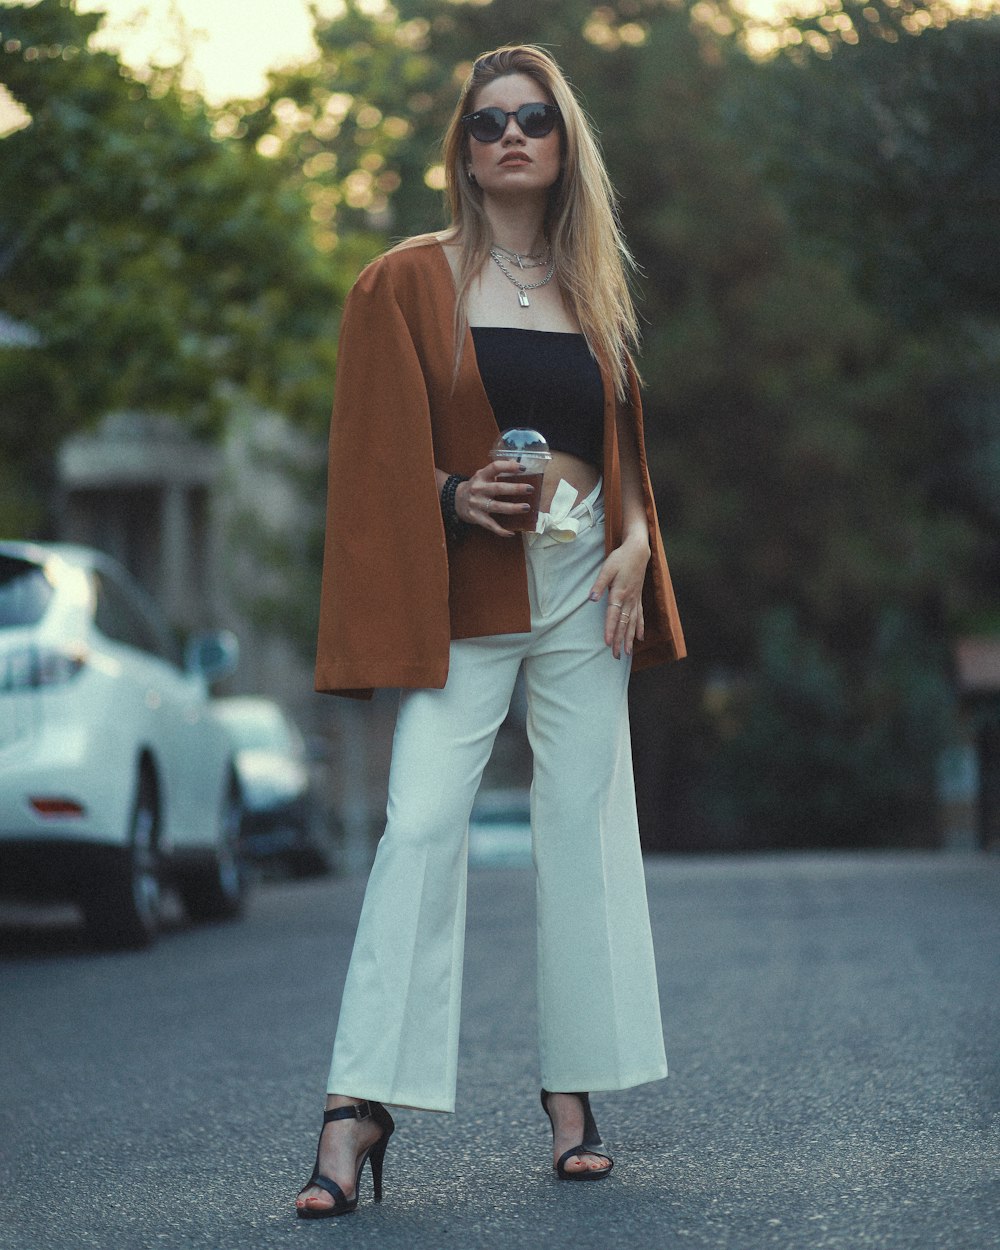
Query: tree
{"x": 162, "y": 266}
{"x": 884, "y": 159}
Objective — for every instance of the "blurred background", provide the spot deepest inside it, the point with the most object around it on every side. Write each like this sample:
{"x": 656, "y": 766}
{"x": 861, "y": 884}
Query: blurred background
{"x": 813, "y": 194}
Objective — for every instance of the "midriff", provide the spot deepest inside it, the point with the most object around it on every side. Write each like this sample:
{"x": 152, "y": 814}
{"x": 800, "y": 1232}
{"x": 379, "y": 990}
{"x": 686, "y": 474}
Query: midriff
{"x": 579, "y": 473}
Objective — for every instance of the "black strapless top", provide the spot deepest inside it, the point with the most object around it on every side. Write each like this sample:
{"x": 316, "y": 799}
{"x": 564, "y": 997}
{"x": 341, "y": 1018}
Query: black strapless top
{"x": 547, "y": 381}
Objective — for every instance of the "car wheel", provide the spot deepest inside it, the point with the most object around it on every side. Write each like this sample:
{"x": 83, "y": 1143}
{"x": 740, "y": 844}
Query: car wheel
{"x": 122, "y": 907}
{"x": 215, "y": 891}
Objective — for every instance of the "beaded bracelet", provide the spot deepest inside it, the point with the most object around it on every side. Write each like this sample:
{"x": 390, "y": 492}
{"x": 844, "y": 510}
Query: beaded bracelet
{"x": 455, "y": 528}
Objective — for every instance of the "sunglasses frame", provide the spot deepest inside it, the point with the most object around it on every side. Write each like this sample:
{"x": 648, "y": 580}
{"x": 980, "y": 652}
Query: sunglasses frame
{"x": 551, "y": 112}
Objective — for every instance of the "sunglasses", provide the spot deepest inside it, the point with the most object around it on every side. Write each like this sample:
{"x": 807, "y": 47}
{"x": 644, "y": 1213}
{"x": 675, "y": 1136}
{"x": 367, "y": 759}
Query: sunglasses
{"x": 535, "y": 121}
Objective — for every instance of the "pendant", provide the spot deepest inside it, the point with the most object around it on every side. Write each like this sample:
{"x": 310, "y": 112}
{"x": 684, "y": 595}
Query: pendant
{"x": 522, "y": 299}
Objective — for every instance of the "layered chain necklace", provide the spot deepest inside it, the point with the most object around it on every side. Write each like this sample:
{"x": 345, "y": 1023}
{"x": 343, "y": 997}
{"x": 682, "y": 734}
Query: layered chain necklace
{"x": 530, "y": 260}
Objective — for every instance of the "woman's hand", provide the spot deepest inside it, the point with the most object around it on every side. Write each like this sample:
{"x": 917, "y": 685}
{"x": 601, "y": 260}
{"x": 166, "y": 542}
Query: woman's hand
{"x": 482, "y": 500}
{"x": 622, "y": 575}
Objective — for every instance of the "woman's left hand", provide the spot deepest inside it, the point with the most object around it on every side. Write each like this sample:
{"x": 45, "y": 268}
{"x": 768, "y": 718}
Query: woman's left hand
{"x": 622, "y": 575}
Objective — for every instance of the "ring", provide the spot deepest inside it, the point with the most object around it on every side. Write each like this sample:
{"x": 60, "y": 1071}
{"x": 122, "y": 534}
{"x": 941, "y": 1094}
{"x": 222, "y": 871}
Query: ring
{"x": 487, "y": 505}
{"x": 619, "y": 606}
{"x": 626, "y": 615}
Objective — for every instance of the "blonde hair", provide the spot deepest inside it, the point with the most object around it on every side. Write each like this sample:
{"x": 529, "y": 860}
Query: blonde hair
{"x": 581, "y": 222}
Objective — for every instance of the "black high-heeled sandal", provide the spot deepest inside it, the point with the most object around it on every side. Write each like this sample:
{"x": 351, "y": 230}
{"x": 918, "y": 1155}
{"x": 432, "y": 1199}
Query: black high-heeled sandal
{"x": 591, "y": 1139}
{"x": 375, "y": 1153}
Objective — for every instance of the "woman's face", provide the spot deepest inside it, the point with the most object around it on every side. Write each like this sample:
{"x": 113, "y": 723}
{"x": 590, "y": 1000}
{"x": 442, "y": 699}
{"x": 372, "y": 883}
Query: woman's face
{"x": 514, "y": 165}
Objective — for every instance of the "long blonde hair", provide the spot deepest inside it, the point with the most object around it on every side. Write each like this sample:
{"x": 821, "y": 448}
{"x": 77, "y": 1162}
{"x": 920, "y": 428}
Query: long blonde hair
{"x": 581, "y": 222}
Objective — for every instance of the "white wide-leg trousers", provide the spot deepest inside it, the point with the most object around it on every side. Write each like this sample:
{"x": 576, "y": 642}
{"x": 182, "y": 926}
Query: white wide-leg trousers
{"x": 598, "y": 1006}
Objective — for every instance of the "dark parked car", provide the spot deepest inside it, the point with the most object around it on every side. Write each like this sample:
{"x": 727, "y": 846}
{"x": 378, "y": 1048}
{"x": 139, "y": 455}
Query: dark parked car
{"x": 273, "y": 769}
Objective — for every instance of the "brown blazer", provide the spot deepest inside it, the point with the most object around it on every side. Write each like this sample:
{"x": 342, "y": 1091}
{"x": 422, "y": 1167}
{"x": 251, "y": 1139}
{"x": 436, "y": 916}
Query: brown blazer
{"x": 393, "y": 595}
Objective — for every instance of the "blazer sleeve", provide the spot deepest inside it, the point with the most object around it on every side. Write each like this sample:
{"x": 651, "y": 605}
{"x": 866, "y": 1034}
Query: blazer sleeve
{"x": 384, "y": 594}
{"x": 664, "y": 637}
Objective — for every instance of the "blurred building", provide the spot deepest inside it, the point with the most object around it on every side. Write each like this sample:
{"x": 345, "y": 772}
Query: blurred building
{"x": 194, "y": 523}
{"x": 140, "y": 488}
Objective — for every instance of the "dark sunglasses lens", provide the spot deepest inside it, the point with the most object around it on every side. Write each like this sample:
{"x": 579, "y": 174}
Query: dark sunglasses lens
{"x": 487, "y": 125}
{"x": 536, "y": 120}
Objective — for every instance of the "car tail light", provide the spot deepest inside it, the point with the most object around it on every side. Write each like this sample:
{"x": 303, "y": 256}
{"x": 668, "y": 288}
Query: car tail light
{"x": 31, "y": 668}
{"x": 57, "y": 807}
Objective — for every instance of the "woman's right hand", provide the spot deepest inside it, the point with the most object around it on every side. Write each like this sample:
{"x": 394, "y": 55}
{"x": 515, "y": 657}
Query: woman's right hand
{"x": 482, "y": 500}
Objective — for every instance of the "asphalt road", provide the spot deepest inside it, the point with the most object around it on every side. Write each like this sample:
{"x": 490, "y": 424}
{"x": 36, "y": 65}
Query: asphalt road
{"x": 833, "y": 1027}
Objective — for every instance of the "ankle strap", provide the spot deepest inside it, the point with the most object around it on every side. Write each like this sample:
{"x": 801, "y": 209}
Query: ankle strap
{"x": 356, "y": 1111}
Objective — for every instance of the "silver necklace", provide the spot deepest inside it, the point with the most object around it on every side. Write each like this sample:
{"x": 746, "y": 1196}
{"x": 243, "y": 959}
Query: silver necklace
{"x": 522, "y": 287}
{"x": 529, "y": 260}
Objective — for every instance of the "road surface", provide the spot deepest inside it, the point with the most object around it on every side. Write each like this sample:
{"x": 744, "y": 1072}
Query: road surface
{"x": 832, "y": 1024}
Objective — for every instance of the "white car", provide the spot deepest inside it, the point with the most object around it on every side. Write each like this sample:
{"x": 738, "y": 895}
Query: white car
{"x": 115, "y": 775}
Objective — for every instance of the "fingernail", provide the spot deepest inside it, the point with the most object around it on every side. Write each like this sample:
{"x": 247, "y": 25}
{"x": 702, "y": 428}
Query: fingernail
{"x": 593, "y": 596}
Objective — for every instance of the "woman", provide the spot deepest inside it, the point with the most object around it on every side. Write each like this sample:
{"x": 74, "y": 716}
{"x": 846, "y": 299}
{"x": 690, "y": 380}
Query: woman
{"x": 518, "y": 315}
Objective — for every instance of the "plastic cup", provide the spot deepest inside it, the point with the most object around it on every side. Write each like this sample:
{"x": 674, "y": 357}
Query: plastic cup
{"x": 531, "y": 451}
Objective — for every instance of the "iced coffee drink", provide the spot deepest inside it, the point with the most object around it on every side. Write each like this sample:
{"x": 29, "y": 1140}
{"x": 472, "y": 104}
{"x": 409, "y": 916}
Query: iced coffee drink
{"x": 531, "y": 451}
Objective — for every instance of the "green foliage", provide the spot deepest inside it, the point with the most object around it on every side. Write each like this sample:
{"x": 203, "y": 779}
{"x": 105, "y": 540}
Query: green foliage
{"x": 34, "y": 411}
{"x": 833, "y": 745}
{"x": 861, "y": 496}
{"x": 883, "y": 154}
{"x": 163, "y": 268}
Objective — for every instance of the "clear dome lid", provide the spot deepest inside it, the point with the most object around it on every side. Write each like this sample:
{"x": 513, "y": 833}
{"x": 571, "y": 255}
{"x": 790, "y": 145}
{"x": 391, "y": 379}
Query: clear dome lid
{"x": 519, "y": 442}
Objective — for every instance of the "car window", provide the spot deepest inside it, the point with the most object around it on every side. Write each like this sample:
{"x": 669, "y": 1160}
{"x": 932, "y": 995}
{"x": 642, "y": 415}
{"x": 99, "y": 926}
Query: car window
{"x": 25, "y": 592}
{"x": 121, "y": 616}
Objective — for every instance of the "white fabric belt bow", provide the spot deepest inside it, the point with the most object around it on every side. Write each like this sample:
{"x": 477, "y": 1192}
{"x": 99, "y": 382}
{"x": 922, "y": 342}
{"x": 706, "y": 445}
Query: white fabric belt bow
{"x": 557, "y": 524}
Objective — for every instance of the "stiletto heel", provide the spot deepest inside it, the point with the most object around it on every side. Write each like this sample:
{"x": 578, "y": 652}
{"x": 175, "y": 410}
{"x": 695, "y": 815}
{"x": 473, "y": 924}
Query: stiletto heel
{"x": 591, "y": 1138}
{"x": 376, "y": 1157}
{"x": 374, "y": 1154}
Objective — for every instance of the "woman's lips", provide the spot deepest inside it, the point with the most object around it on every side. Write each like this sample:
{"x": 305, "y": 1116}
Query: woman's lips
{"x": 515, "y": 158}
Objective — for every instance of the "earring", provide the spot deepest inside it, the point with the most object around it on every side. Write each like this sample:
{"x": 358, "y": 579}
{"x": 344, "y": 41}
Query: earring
{"x": 471, "y": 176}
